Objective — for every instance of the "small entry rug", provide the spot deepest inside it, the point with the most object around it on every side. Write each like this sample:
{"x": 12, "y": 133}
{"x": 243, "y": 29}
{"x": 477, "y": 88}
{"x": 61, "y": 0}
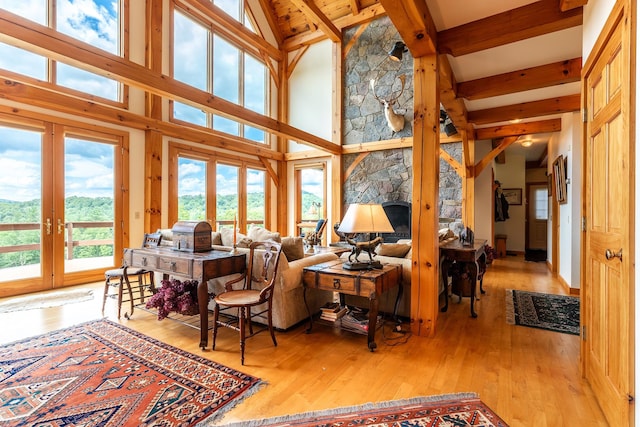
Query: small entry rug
{"x": 464, "y": 409}
{"x": 43, "y": 300}
{"x": 103, "y": 374}
{"x": 559, "y": 313}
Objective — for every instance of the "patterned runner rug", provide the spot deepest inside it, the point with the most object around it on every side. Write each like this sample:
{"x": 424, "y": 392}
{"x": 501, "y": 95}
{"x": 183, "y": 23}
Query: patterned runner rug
{"x": 101, "y": 373}
{"x": 464, "y": 409}
{"x": 559, "y": 313}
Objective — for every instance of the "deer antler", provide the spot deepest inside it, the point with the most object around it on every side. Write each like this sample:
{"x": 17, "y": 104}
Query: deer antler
{"x": 389, "y": 101}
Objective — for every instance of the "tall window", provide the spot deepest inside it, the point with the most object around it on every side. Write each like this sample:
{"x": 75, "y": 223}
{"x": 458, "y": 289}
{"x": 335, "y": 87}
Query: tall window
{"x": 211, "y": 63}
{"x": 310, "y": 196}
{"x": 205, "y": 186}
{"x": 255, "y": 189}
{"x": 95, "y": 22}
{"x": 192, "y": 185}
{"x": 226, "y": 194}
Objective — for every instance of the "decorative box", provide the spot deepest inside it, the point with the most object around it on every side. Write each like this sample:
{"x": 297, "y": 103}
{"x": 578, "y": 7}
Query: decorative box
{"x": 192, "y": 236}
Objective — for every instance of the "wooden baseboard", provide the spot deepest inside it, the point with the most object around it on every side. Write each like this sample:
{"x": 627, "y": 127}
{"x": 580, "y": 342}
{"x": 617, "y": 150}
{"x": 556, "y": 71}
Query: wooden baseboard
{"x": 572, "y": 291}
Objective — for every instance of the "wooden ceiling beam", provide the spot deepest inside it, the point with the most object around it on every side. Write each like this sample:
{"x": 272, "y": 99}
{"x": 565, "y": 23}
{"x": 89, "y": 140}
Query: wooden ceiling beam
{"x": 536, "y": 19}
{"x": 366, "y": 15}
{"x": 51, "y": 100}
{"x": 563, "y": 104}
{"x": 319, "y": 19}
{"x": 541, "y": 126}
{"x": 414, "y": 23}
{"x": 355, "y": 7}
{"x": 547, "y": 75}
{"x": 499, "y": 147}
{"x": 44, "y": 41}
{"x": 572, "y": 4}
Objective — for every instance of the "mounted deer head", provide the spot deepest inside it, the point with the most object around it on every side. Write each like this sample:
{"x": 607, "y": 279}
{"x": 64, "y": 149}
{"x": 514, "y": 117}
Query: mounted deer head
{"x": 394, "y": 120}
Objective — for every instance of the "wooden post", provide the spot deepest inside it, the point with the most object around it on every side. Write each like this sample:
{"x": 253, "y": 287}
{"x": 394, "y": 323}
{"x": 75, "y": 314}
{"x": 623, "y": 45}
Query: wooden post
{"x": 468, "y": 179}
{"x": 426, "y": 170}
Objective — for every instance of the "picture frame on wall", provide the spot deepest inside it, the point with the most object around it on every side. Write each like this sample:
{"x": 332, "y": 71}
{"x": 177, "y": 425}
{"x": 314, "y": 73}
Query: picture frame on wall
{"x": 513, "y": 195}
{"x": 560, "y": 179}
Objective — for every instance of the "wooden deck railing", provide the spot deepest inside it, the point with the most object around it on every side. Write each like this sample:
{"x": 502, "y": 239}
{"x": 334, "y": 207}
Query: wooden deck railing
{"x": 69, "y": 228}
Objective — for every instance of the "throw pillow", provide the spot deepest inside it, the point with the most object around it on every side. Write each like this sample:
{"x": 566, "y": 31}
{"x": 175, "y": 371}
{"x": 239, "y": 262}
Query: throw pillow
{"x": 396, "y": 250}
{"x": 293, "y": 248}
{"x": 243, "y": 243}
{"x": 216, "y": 238}
{"x": 259, "y": 234}
{"x": 226, "y": 234}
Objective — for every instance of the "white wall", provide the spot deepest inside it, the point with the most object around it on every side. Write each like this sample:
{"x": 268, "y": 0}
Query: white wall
{"x": 511, "y": 174}
{"x": 310, "y": 93}
{"x": 568, "y": 144}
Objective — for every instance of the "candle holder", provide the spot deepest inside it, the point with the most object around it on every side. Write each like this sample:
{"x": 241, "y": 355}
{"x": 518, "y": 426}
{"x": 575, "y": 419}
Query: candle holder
{"x": 234, "y": 250}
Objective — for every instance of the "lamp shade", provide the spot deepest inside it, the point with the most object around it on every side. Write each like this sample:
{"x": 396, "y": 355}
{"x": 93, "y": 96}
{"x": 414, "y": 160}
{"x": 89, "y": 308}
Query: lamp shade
{"x": 365, "y": 218}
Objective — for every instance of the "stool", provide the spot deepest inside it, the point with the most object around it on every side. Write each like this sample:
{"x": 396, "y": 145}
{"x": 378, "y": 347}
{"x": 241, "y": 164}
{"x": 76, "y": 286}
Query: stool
{"x": 501, "y": 245}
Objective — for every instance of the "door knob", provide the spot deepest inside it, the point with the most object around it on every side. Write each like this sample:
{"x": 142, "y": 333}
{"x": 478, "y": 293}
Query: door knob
{"x": 609, "y": 254}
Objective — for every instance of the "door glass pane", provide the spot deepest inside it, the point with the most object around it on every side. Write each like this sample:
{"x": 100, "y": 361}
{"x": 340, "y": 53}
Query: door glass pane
{"x": 20, "y": 203}
{"x": 541, "y": 200}
{"x": 255, "y": 197}
{"x": 89, "y": 206}
{"x": 226, "y": 195}
{"x": 192, "y": 189}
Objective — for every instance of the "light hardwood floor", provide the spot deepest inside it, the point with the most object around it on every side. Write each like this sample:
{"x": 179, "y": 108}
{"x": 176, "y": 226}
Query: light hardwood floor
{"x": 530, "y": 377}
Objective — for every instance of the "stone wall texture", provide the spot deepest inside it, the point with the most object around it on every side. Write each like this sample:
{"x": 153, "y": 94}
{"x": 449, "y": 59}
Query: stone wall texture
{"x": 384, "y": 176}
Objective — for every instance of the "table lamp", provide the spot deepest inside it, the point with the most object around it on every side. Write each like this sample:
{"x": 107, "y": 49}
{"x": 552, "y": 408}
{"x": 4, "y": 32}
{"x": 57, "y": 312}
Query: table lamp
{"x": 364, "y": 218}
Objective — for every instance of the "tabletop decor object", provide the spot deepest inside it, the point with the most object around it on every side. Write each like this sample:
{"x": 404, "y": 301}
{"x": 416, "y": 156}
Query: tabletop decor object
{"x": 364, "y": 219}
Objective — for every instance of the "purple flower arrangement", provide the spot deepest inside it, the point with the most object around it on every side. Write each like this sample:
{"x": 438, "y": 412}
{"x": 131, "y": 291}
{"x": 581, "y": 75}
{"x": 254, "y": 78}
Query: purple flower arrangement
{"x": 175, "y": 296}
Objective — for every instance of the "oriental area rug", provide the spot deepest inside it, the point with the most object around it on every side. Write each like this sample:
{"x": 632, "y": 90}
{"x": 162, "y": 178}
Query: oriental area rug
{"x": 463, "y": 409}
{"x": 559, "y": 313}
{"x": 101, "y": 373}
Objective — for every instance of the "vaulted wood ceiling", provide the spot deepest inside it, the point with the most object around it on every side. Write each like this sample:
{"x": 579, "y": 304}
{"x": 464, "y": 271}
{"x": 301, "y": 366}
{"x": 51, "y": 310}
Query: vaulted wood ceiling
{"x": 501, "y": 62}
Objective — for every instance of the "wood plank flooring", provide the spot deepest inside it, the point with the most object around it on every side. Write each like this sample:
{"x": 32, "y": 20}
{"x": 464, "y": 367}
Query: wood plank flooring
{"x": 530, "y": 377}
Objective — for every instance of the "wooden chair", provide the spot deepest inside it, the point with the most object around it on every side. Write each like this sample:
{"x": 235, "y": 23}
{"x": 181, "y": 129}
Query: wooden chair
{"x": 120, "y": 276}
{"x": 257, "y": 289}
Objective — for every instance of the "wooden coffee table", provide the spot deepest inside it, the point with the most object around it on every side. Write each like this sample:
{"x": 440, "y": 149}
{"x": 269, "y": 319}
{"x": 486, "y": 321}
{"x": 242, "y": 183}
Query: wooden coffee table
{"x": 330, "y": 276}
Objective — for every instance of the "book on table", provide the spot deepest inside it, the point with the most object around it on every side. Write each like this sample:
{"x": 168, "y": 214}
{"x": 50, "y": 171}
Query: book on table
{"x": 357, "y": 320}
{"x": 332, "y": 311}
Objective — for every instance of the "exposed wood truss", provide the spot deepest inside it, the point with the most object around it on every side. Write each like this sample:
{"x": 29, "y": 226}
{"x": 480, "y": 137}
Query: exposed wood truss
{"x": 528, "y": 21}
{"x": 518, "y": 81}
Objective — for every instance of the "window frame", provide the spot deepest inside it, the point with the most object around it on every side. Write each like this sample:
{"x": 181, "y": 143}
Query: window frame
{"x": 243, "y": 50}
{"x": 51, "y": 64}
{"x": 213, "y": 159}
{"x": 301, "y": 223}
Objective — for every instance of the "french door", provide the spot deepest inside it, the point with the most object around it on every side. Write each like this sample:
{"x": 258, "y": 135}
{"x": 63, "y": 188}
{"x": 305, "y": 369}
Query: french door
{"x": 61, "y": 213}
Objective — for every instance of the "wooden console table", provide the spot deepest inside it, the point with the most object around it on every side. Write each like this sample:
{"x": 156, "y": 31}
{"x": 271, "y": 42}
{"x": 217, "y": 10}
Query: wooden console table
{"x": 200, "y": 266}
{"x": 472, "y": 262}
{"x": 330, "y": 276}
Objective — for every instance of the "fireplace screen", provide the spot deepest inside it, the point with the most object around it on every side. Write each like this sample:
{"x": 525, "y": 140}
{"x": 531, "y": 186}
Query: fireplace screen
{"x": 399, "y": 214}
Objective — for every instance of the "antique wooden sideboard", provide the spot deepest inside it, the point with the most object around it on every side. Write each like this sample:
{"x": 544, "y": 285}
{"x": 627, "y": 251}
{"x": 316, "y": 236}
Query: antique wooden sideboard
{"x": 200, "y": 266}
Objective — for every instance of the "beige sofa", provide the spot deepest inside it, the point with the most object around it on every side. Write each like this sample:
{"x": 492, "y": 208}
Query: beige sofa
{"x": 288, "y": 304}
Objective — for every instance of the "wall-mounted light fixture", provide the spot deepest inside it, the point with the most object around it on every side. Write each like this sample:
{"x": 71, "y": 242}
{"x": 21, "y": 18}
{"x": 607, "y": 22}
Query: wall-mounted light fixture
{"x": 446, "y": 123}
{"x": 398, "y": 49}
